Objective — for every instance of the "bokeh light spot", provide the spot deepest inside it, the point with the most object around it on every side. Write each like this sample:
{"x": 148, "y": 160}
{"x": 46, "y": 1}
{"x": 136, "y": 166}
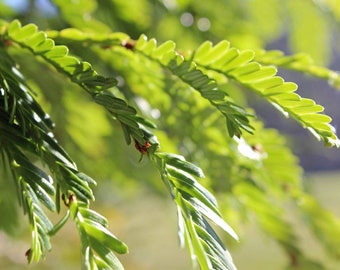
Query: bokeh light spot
{"x": 187, "y": 19}
{"x": 203, "y": 24}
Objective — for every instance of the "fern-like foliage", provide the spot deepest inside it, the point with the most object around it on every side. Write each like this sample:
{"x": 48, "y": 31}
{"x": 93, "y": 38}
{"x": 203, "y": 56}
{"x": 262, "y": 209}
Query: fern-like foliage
{"x": 35, "y": 188}
{"x": 239, "y": 66}
{"x": 81, "y": 73}
{"x": 97, "y": 241}
{"x": 25, "y": 131}
{"x": 236, "y": 116}
{"x": 23, "y": 121}
{"x": 26, "y": 136}
{"x": 195, "y": 204}
{"x": 298, "y": 62}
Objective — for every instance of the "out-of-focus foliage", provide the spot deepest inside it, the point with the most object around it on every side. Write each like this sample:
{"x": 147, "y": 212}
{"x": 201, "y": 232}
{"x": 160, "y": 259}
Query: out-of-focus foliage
{"x": 106, "y": 83}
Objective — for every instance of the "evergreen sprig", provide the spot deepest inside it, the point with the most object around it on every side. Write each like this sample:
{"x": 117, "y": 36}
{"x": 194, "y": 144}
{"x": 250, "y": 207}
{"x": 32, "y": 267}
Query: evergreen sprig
{"x": 26, "y": 131}
{"x": 193, "y": 200}
{"x": 98, "y": 243}
{"x": 26, "y": 136}
{"x": 301, "y": 62}
{"x": 236, "y": 116}
{"x": 195, "y": 204}
{"x": 239, "y": 66}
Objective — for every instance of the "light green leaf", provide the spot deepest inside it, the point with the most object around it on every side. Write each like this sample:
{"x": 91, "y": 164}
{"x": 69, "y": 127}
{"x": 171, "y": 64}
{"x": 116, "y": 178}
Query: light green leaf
{"x": 14, "y": 27}
{"x": 309, "y": 109}
{"x": 44, "y": 197}
{"x": 188, "y": 184}
{"x": 248, "y": 70}
{"x": 93, "y": 216}
{"x": 105, "y": 237}
{"x": 286, "y": 98}
{"x": 36, "y": 39}
{"x": 150, "y": 46}
{"x": 217, "y": 219}
{"x": 57, "y": 51}
{"x": 316, "y": 118}
{"x": 45, "y": 46}
{"x": 179, "y": 162}
{"x": 73, "y": 33}
{"x": 202, "y": 51}
{"x": 267, "y": 83}
{"x": 82, "y": 191}
{"x": 198, "y": 249}
{"x": 25, "y": 32}
{"x": 242, "y": 58}
{"x": 258, "y": 75}
{"x": 86, "y": 178}
{"x": 68, "y": 62}
{"x": 228, "y": 56}
{"x": 141, "y": 42}
{"x": 287, "y": 87}
{"x": 105, "y": 254}
{"x": 163, "y": 49}
{"x": 207, "y": 54}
